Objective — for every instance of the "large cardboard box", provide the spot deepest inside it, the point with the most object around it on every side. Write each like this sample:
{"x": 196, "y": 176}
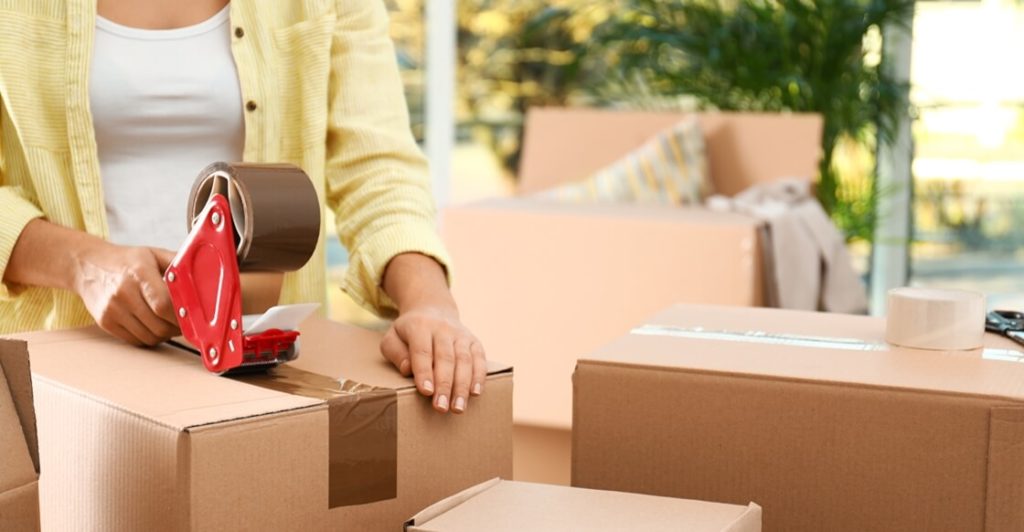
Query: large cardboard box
{"x": 811, "y": 415}
{"x": 543, "y": 283}
{"x": 505, "y": 506}
{"x": 19, "y": 454}
{"x": 134, "y": 439}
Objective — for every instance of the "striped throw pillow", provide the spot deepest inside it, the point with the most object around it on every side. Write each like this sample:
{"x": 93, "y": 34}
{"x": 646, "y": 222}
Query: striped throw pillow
{"x": 670, "y": 168}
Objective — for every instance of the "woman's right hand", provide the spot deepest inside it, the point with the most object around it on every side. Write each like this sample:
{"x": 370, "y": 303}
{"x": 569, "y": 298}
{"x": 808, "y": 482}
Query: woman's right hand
{"x": 123, "y": 289}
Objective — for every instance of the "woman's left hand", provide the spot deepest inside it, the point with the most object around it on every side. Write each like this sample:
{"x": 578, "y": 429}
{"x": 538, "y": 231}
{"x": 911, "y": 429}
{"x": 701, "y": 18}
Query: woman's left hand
{"x": 428, "y": 341}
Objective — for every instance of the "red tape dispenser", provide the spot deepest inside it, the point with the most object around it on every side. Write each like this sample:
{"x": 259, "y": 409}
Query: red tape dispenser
{"x": 243, "y": 217}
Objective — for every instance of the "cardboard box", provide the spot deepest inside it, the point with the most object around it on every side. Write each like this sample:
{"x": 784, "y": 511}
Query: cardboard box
{"x": 19, "y": 454}
{"x": 811, "y": 415}
{"x": 542, "y": 284}
{"x": 552, "y": 282}
{"x": 134, "y": 439}
{"x": 504, "y": 506}
{"x": 743, "y": 149}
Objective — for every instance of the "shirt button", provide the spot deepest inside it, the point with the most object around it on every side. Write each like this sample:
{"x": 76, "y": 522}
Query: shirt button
{"x": 239, "y": 32}
{"x": 250, "y": 105}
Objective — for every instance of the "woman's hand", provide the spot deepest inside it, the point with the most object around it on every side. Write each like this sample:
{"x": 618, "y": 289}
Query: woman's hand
{"x": 428, "y": 341}
{"x": 123, "y": 289}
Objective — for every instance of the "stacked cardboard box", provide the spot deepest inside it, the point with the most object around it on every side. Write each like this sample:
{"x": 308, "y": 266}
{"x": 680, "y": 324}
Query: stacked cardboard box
{"x": 811, "y": 415}
{"x": 543, "y": 283}
{"x": 146, "y": 439}
{"x": 19, "y": 456}
{"x": 503, "y": 506}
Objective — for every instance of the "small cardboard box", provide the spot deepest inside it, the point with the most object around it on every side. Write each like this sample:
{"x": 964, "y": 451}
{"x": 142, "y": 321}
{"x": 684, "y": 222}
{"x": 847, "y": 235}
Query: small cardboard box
{"x": 136, "y": 439}
{"x": 19, "y": 454}
{"x": 504, "y": 506}
{"x": 811, "y": 415}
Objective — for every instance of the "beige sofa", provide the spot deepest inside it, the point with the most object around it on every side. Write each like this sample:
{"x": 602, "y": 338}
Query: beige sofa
{"x": 544, "y": 283}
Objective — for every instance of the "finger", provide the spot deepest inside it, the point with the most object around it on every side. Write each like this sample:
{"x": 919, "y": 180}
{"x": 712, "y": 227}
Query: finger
{"x": 158, "y": 299}
{"x": 123, "y": 334}
{"x": 444, "y": 372}
{"x": 396, "y": 352}
{"x": 479, "y": 367}
{"x": 421, "y": 355}
{"x": 164, "y": 258}
{"x": 463, "y": 376}
{"x": 158, "y": 328}
{"x": 142, "y": 335}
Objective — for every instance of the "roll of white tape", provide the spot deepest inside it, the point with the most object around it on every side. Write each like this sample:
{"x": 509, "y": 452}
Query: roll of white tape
{"x": 923, "y": 318}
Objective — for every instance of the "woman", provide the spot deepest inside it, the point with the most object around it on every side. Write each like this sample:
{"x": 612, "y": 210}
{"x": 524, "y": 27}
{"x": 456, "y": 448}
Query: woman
{"x": 108, "y": 110}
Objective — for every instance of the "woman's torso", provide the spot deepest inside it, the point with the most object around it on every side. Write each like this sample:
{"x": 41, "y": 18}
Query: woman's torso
{"x": 48, "y": 148}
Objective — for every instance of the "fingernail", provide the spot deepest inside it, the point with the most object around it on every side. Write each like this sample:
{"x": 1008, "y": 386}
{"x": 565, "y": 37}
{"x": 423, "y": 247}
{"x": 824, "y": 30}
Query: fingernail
{"x": 403, "y": 368}
{"x": 477, "y": 389}
{"x": 460, "y": 404}
{"x": 428, "y": 386}
{"x": 442, "y": 402}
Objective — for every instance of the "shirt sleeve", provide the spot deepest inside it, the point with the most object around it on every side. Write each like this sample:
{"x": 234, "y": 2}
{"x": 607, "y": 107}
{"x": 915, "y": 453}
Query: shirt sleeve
{"x": 378, "y": 182}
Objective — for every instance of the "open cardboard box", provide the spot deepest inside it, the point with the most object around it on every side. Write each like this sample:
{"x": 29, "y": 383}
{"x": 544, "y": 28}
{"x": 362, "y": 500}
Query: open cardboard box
{"x": 543, "y": 283}
{"x": 19, "y": 454}
{"x": 505, "y": 506}
{"x": 811, "y": 415}
{"x": 147, "y": 439}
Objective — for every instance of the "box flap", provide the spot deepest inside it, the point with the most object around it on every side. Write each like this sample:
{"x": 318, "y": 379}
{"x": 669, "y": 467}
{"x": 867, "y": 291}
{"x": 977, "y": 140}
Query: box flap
{"x": 448, "y": 504}
{"x": 19, "y": 508}
{"x": 16, "y": 466}
{"x": 14, "y": 362}
{"x": 164, "y": 384}
{"x": 748, "y": 521}
{"x": 326, "y": 348}
{"x": 1005, "y": 487}
{"x": 815, "y": 347}
{"x": 515, "y": 506}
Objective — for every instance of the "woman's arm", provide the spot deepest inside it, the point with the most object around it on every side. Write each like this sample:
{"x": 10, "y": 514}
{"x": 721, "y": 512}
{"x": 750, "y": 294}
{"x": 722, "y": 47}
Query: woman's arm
{"x": 378, "y": 185}
{"x": 122, "y": 287}
{"x": 428, "y": 340}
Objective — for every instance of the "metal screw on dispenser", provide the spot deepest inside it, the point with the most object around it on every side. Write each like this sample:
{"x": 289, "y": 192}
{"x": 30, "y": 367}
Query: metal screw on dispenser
{"x": 170, "y": 277}
{"x": 215, "y": 218}
{"x": 234, "y": 324}
{"x": 213, "y": 354}
{"x": 181, "y": 312}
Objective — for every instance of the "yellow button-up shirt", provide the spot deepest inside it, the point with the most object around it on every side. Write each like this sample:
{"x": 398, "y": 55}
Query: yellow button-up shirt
{"x": 322, "y": 91}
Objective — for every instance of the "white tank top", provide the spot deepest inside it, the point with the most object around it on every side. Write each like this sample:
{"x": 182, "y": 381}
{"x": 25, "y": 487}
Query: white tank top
{"x": 165, "y": 103}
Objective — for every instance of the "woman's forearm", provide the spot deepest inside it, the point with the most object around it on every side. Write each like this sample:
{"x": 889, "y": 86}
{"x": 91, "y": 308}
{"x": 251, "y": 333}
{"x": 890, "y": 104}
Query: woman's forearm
{"x": 47, "y": 255}
{"x": 413, "y": 280}
{"x": 121, "y": 286}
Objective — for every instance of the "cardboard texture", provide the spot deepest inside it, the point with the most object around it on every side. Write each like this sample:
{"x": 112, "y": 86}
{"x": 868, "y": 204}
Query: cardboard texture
{"x": 19, "y": 454}
{"x": 506, "y": 506}
{"x": 838, "y": 435}
{"x": 135, "y": 439}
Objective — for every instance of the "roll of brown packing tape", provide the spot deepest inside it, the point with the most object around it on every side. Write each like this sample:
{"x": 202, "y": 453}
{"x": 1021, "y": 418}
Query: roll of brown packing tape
{"x": 949, "y": 320}
{"x": 274, "y": 208}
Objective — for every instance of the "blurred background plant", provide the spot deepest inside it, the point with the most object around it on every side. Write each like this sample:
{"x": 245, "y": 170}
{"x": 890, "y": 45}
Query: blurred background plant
{"x": 742, "y": 55}
{"x": 774, "y": 56}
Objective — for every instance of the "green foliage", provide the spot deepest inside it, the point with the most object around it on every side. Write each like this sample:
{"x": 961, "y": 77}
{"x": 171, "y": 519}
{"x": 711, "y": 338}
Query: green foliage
{"x": 515, "y": 54}
{"x": 818, "y": 56}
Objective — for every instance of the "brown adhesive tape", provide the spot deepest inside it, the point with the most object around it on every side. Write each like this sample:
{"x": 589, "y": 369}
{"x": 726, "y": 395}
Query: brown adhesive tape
{"x": 363, "y": 420}
{"x": 274, "y": 207}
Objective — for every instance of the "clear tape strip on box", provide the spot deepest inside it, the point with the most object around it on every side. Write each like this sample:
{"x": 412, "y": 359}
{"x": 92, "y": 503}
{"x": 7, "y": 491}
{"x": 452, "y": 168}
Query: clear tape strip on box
{"x": 794, "y": 340}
